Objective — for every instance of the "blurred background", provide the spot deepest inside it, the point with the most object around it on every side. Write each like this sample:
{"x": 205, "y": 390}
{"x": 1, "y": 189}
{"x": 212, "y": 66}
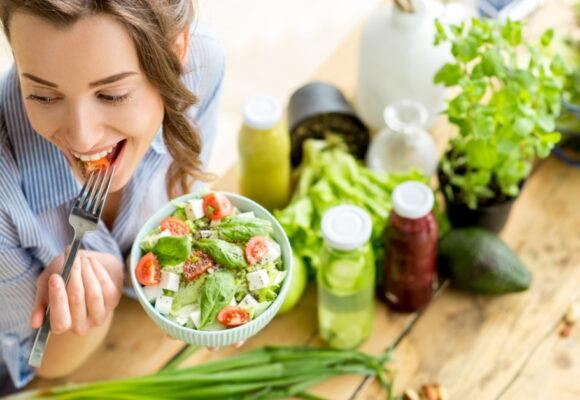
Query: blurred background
{"x": 294, "y": 35}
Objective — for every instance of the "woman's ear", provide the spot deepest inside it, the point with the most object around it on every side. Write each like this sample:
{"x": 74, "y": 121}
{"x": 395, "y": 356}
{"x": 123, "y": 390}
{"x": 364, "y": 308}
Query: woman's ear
{"x": 181, "y": 47}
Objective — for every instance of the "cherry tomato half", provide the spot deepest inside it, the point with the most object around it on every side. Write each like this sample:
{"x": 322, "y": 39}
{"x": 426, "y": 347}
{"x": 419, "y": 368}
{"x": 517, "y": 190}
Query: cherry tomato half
{"x": 231, "y": 316}
{"x": 148, "y": 271}
{"x": 217, "y": 206}
{"x": 256, "y": 249}
{"x": 175, "y": 226}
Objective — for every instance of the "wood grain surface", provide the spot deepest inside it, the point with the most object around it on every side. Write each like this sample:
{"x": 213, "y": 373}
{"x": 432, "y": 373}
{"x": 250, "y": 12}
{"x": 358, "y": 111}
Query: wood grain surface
{"x": 506, "y": 347}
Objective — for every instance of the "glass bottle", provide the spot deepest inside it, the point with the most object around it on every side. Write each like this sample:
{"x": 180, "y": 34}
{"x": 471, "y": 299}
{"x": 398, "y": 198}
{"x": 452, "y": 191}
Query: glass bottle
{"x": 403, "y": 144}
{"x": 411, "y": 248}
{"x": 346, "y": 278}
{"x": 264, "y": 148}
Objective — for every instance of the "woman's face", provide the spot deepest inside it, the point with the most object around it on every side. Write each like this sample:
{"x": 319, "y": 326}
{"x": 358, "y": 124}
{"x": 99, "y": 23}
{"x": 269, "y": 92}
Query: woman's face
{"x": 84, "y": 91}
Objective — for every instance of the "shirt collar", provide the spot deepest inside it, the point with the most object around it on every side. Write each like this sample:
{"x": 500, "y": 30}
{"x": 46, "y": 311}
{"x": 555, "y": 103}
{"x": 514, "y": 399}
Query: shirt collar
{"x": 158, "y": 144}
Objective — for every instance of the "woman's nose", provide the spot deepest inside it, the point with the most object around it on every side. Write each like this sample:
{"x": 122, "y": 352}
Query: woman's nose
{"x": 82, "y": 128}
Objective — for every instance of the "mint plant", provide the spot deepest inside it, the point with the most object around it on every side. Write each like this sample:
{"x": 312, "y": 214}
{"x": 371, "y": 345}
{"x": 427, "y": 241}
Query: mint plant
{"x": 508, "y": 98}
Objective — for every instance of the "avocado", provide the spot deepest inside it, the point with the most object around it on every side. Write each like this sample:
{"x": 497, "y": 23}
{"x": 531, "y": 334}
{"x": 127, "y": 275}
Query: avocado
{"x": 478, "y": 261}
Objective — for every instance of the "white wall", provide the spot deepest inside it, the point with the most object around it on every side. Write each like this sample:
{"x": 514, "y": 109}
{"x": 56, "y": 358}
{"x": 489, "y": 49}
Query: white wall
{"x": 272, "y": 46}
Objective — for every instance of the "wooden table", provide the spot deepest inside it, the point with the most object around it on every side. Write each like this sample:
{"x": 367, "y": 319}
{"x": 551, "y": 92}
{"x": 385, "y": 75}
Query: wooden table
{"x": 478, "y": 347}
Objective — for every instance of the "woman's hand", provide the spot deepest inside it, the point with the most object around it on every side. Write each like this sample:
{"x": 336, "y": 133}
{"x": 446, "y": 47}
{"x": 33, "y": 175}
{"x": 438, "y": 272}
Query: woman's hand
{"x": 93, "y": 291}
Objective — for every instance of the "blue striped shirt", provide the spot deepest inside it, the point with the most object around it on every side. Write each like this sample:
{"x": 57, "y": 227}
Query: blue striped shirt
{"x": 37, "y": 188}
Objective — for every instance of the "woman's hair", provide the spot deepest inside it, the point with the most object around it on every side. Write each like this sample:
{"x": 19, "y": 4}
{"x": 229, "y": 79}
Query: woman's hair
{"x": 154, "y": 26}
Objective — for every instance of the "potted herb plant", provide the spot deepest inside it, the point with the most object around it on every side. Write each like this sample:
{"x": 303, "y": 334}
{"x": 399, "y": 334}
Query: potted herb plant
{"x": 505, "y": 105}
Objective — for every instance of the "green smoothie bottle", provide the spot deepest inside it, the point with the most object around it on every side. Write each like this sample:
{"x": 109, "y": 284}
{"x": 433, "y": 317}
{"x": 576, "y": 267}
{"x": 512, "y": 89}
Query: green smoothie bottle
{"x": 264, "y": 148}
{"x": 346, "y": 278}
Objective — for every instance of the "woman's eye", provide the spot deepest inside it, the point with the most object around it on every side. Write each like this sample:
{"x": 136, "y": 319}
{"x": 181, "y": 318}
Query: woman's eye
{"x": 42, "y": 99}
{"x": 113, "y": 99}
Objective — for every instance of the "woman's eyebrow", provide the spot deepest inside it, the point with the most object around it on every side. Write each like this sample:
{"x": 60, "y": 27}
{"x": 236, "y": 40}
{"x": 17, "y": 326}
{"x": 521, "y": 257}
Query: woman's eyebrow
{"x": 112, "y": 78}
{"x": 39, "y": 80}
{"x": 100, "y": 82}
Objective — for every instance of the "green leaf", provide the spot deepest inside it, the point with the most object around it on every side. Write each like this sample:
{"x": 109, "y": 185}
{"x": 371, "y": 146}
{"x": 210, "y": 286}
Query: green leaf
{"x": 449, "y": 75}
{"x": 492, "y": 63}
{"x": 440, "y": 33}
{"x": 458, "y": 106}
{"x": 242, "y": 229}
{"x": 547, "y": 37}
{"x": 543, "y": 148}
{"x": 217, "y": 292}
{"x": 172, "y": 250}
{"x": 523, "y": 126}
{"x": 546, "y": 123}
{"x": 224, "y": 253}
{"x": 481, "y": 153}
{"x": 558, "y": 67}
{"x": 552, "y": 138}
{"x": 512, "y": 32}
{"x": 465, "y": 49}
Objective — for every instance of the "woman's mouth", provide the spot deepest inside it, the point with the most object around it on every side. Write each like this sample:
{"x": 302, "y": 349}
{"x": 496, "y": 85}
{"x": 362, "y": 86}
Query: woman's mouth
{"x": 92, "y": 162}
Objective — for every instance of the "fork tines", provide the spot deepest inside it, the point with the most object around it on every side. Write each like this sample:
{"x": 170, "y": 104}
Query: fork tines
{"x": 95, "y": 190}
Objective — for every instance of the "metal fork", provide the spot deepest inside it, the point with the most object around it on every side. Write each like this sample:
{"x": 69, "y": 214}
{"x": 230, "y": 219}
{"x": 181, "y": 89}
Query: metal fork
{"x": 83, "y": 217}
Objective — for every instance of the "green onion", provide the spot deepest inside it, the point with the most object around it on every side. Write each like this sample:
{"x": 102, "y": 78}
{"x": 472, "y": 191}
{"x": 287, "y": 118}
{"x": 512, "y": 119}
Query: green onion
{"x": 265, "y": 373}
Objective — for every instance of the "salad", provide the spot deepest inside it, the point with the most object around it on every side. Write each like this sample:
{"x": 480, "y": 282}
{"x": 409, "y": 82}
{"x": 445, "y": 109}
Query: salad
{"x": 210, "y": 267}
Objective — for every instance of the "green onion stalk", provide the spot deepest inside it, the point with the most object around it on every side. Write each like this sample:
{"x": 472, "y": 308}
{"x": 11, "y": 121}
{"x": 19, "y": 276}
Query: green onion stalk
{"x": 265, "y": 373}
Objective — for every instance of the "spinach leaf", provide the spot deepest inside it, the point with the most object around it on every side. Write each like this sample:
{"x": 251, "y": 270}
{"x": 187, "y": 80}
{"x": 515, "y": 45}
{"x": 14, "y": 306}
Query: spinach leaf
{"x": 223, "y": 253}
{"x": 172, "y": 250}
{"x": 242, "y": 229}
{"x": 217, "y": 292}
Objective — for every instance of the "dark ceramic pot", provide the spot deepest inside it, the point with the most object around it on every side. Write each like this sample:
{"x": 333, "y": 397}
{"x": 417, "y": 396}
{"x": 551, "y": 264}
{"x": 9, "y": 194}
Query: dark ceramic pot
{"x": 491, "y": 217}
{"x": 319, "y": 109}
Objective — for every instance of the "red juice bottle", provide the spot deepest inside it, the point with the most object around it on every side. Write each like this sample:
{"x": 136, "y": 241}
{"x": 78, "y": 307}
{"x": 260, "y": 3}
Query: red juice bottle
{"x": 411, "y": 248}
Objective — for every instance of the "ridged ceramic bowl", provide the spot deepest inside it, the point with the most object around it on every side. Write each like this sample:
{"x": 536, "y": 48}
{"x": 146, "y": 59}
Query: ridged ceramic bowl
{"x": 227, "y": 336}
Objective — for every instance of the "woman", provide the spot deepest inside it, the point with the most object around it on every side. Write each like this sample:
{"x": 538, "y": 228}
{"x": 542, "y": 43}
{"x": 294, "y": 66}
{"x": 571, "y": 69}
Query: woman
{"x": 126, "y": 79}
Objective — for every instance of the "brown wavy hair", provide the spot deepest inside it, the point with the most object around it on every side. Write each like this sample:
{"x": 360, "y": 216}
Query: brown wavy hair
{"x": 154, "y": 26}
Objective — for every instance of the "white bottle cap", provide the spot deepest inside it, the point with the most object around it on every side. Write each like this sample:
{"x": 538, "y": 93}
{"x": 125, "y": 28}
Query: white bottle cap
{"x": 262, "y": 112}
{"x": 412, "y": 200}
{"x": 346, "y": 227}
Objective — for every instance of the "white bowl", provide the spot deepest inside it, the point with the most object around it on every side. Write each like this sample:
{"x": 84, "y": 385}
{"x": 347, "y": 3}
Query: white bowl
{"x": 227, "y": 336}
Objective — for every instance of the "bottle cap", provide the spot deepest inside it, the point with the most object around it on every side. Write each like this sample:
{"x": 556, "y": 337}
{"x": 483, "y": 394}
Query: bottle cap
{"x": 346, "y": 227}
{"x": 262, "y": 112}
{"x": 405, "y": 115}
{"x": 413, "y": 199}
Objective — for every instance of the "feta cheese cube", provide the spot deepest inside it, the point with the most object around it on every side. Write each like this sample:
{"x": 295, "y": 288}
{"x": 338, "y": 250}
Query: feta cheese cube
{"x": 258, "y": 279}
{"x": 248, "y": 301}
{"x": 169, "y": 281}
{"x": 205, "y": 233}
{"x": 274, "y": 252}
{"x": 152, "y": 292}
{"x": 195, "y": 317}
{"x": 248, "y": 215}
{"x": 233, "y": 303}
{"x": 194, "y": 209}
{"x": 181, "y": 320}
{"x": 163, "y": 304}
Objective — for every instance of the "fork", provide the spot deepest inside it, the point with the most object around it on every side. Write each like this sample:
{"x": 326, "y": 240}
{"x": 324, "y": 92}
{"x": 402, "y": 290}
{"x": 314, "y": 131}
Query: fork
{"x": 83, "y": 217}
